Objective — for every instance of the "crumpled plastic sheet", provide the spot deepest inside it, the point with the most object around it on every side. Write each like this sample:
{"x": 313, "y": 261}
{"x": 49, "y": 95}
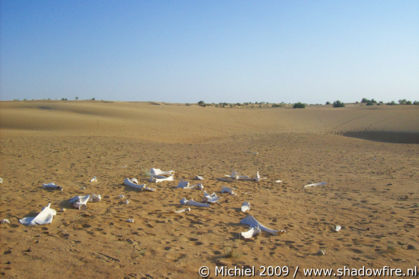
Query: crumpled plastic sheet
{"x": 79, "y": 202}
{"x": 133, "y": 183}
{"x": 184, "y": 201}
{"x": 52, "y": 186}
{"x": 44, "y": 217}
{"x": 256, "y": 226}
{"x": 185, "y": 185}
{"x": 245, "y": 206}
{"x": 228, "y": 190}
{"x": 213, "y": 198}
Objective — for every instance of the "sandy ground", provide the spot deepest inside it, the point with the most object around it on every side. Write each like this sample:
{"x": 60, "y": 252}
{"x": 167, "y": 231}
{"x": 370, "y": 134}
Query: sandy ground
{"x": 372, "y": 186}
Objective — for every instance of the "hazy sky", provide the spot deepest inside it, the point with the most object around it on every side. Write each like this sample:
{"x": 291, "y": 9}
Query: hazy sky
{"x": 216, "y": 51}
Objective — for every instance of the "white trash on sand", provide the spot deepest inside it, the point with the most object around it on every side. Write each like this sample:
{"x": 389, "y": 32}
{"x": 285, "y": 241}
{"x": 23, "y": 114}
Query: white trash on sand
{"x": 251, "y": 233}
{"x": 213, "y": 198}
{"x": 185, "y": 185}
{"x": 253, "y": 223}
{"x": 245, "y": 206}
{"x": 315, "y": 184}
{"x": 159, "y": 178}
{"x": 158, "y": 175}
{"x": 44, "y": 217}
{"x": 94, "y": 179}
{"x": 95, "y": 198}
{"x": 184, "y": 201}
{"x": 198, "y": 177}
{"x": 236, "y": 176}
{"x": 337, "y": 228}
{"x": 5, "y": 221}
{"x": 183, "y": 210}
{"x": 156, "y": 172}
{"x": 52, "y": 186}
{"x": 79, "y": 202}
{"x": 133, "y": 183}
{"x": 228, "y": 190}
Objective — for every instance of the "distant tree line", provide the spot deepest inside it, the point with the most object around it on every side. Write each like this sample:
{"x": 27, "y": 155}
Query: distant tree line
{"x": 335, "y": 104}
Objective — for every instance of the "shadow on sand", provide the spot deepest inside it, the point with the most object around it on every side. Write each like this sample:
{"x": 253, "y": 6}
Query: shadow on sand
{"x": 385, "y": 136}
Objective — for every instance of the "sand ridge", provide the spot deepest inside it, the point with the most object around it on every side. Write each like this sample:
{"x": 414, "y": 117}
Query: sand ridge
{"x": 181, "y": 123}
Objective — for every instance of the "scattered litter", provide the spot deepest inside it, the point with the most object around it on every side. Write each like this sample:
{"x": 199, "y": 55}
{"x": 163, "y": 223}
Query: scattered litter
{"x": 315, "y": 184}
{"x": 157, "y": 175}
{"x": 253, "y": 223}
{"x": 338, "y": 228}
{"x": 125, "y": 202}
{"x": 94, "y": 179}
{"x": 1, "y": 180}
{"x": 183, "y": 210}
{"x": 156, "y": 172}
{"x": 5, "y": 221}
{"x": 184, "y": 201}
{"x": 251, "y": 233}
{"x": 133, "y": 183}
{"x": 130, "y": 220}
{"x": 245, "y": 206}
{"x": 198, "y": 177}
{"x": 52, "y": 186}
{"x": 44, "y": 217}
{"x": 278, "y": 181}
{"x": 213, "y": 198}
{"x": 79, "y": 202}
{"x": 95, "y": 198}
{"x": 185, "y": 185}
{"x": 62, "y": 209}
{"x": 257, "y": 178}
{"x": 160, "y": 178}
{"x": 236, "y": 176}
{"x": 121, "y": 196}
{"x": 227, "y": 190}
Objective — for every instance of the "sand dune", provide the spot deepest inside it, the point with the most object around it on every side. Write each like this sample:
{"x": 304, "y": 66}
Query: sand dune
{"x": 180, "y": 123}
{"x": 371, "y": 191}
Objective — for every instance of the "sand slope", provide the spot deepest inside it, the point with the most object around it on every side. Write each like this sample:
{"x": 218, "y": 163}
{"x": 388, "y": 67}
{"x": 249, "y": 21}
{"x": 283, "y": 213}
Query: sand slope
{"x": 180, "y": 123}
{"x": 372, "y": 188}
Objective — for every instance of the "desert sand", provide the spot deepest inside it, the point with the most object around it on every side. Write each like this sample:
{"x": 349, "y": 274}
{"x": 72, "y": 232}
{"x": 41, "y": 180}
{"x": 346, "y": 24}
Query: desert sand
{"x": 369, "y": 157}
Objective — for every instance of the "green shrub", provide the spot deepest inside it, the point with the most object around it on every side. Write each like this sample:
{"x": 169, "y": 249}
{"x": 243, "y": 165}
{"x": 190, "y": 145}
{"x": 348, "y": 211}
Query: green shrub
{"x": 202, "y": 103}
{"x": 299, "y": 105}
{"x": 405, "y": 102}
{"x": 338, "y": 104}
{"x": 368, "y": 102}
